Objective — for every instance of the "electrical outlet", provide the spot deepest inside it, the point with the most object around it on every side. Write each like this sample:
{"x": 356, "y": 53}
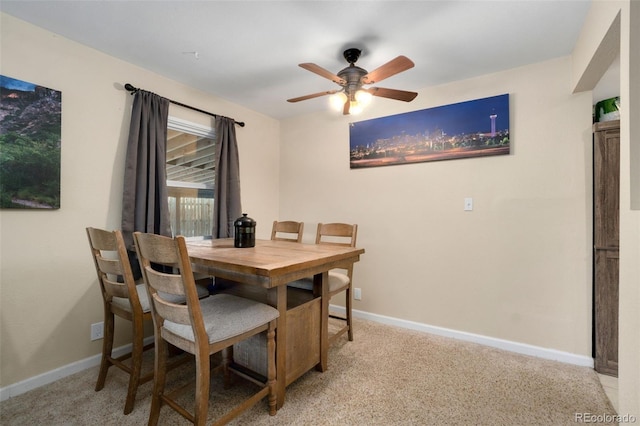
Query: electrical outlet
{"x": 97, "y": 331}
{"x": 357, "y": 294}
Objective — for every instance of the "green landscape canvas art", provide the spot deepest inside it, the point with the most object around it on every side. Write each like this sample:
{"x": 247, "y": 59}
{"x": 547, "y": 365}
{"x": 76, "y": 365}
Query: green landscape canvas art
{"x": 30, "y": 140}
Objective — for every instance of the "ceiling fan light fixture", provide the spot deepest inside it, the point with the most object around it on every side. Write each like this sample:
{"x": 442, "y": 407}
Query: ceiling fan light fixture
{"x": 355, "y": 108}
{"x": 337, "y": 101}
{"x": 363, "y": 97}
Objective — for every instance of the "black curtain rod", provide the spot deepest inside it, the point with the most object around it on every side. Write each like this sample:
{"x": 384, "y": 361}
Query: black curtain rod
{"x": 133, "y": 90}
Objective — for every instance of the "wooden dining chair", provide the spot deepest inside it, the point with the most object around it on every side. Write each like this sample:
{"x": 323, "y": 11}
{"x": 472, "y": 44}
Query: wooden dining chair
{"x": 287, "y": 230}
{"x": 201, "y": 328}
{"x": 121, "y": 296}
{"x": 126, "y": 298}
{"x": 340, "y": 280}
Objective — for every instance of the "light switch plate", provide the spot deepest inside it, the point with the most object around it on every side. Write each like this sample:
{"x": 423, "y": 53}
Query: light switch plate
{"x": 468, "y": 204}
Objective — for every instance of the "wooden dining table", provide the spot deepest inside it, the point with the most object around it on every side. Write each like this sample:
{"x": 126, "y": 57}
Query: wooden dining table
{"x": 263, "y": 272}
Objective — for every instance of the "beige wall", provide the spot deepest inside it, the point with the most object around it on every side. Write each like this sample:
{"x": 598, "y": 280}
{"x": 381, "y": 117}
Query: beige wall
{"x": 48, "y": 290}
{"x": 518, "y": 267}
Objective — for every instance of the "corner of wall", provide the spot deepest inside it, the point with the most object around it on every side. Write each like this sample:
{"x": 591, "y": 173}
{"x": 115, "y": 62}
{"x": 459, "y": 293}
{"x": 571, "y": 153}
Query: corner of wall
{"x": 597, "y": 46}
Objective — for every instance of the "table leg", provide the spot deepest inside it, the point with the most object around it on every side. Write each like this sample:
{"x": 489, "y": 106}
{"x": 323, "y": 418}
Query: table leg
{"x": 280, "y": 303}
{"x": 321, "y": 289}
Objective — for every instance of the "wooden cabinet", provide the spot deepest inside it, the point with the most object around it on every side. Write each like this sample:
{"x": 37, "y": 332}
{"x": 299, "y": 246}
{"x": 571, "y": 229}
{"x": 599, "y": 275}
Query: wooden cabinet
{"x": 303, "y": 332}
{"x": 606, "y": 199}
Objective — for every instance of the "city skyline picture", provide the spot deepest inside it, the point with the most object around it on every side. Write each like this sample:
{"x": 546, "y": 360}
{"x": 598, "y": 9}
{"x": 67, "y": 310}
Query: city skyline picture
{"x": 476, "y": 128}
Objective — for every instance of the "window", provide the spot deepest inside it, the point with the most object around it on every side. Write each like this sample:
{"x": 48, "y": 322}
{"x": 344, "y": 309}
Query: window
{"x": 190, "y": 178}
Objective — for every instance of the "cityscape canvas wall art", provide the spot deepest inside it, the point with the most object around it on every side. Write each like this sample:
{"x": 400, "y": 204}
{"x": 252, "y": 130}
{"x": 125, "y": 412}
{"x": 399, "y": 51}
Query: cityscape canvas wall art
{"x": 30, "y": 139}
{"x": 470, "y": 129}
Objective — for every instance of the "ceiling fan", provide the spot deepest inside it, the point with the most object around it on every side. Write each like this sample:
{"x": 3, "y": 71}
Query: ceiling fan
{"x": 352, "y": 79}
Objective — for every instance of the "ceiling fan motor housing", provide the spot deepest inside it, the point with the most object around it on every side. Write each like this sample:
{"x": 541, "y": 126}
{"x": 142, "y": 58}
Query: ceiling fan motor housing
{"x": 352, "y": 75}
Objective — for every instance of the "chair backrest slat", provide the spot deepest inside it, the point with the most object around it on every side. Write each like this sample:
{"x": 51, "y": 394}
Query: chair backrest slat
{"x": 102, "y": 240}
{"x": 171, "y": 311}
{"x": 292, "y": 229}
{"x": 339, "y": 234}
{"x": 115, "y": 288}
{"x": 110, "y": 266}
{"x": 167, "y": 283}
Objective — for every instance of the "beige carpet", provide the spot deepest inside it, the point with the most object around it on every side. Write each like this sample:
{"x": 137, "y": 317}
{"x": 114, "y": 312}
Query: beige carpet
{"x": 387, "y": 376}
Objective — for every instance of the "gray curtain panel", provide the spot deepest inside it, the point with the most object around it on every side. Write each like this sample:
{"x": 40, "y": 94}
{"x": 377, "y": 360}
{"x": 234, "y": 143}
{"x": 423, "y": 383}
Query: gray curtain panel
{"x": 227, "y": 207}
{"x": 145, "y": 205}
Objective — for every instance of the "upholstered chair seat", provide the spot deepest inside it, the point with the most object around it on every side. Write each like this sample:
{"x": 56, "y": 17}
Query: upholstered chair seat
{"x": 337, "y": 280}
{"x": 226, "y": 316}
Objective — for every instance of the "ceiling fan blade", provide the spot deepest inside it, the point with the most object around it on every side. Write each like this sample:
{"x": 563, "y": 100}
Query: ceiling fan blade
{"x": 323, "y": 73}
{"x": 399, "y": 95}
{"x": 347, "y": 107}
{"x": 393, "y": 67}
{"x": 313, "y": 95}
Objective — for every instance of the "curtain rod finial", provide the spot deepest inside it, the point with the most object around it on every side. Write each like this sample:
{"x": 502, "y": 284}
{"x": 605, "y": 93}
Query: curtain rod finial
{"x": 130, "y": 88}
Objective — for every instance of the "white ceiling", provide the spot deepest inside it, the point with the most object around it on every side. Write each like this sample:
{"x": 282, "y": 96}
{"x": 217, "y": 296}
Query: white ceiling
{"x": 249, "y": 51}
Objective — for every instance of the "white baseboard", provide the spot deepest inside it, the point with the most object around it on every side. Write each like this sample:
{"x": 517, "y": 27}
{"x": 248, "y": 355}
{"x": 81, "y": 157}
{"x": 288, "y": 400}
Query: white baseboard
{"x": 59, "y": 373}
{"x": 521, "y": 348}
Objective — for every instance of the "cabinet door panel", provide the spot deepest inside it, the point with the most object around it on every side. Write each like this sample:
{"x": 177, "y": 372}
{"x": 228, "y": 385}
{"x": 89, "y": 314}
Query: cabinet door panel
{"x": 606, "y": 198}
{"x": 606, "y": 312}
